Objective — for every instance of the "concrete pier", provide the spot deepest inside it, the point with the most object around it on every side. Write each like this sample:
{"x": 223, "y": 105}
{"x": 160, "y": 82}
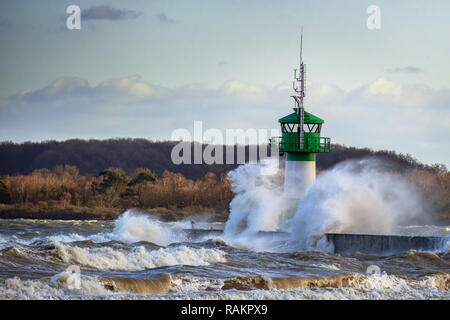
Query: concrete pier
{"x": 345, "y": 243}
{"x": 195, "y": 234}
{"x": 383, "y": 244}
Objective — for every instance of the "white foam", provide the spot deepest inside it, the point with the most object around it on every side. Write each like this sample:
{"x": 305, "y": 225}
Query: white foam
{"x": 332, "y": 266}
{"x": 134, "y": 227}
{"x": 258, "y": 203}
{"x": 138, "y": 258}
{"x": 15, "y": 288}
{"x": 374, "y": 287}
{"x": 64, "y": 238}
{"x": 355, "y": 196}
{"x": 185, "y": 284}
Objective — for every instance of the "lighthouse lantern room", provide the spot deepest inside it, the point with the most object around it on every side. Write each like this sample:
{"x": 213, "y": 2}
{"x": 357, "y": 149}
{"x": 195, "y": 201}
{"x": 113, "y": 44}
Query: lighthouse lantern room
{"x": 300, "y": 140}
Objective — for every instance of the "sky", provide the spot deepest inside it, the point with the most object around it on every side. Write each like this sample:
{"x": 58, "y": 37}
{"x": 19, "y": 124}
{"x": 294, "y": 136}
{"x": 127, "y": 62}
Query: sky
{"x": 144, "y": 68}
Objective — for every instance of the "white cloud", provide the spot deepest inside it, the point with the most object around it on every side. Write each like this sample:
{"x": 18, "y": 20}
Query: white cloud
{"x": 126, "y": 90}
{"x": 130, "y": 88}
{"x": 387, "y": 92}
{"x": 59, "y": 89}
{"x": 317, "y": 94}
{"x": 245, "y": 91}
{"x": 383, "y": 87}
{"x": 383, "y": 114}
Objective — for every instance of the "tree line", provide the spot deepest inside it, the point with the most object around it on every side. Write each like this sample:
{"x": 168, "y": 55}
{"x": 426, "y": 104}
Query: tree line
{"x": 93, "y": 156}
{"x": 140, "y": 173}
{"x": 64, "y": 186}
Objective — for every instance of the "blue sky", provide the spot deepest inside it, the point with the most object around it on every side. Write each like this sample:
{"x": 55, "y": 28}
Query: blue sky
{"x": 146, "y": 68}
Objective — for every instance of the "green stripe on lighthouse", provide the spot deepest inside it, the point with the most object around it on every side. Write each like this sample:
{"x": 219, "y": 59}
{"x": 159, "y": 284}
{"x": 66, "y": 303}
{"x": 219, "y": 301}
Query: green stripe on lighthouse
{"x": 291, "y": 156}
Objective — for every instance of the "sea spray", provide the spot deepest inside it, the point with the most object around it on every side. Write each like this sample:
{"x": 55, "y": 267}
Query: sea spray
{"x": 258, "y": 203}
{"x": 199, "y": 270}
{"x": 71, "y": 278}
{"x": 137, "y": 258}
{"x": 355, "y": 196}
{"x": 133, "y": 226}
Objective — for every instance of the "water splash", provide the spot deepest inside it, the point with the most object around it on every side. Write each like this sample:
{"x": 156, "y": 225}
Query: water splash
{"x": 355, "y": 196}
{"x": 258, "y": 204}
{"x": 133, "y": 226}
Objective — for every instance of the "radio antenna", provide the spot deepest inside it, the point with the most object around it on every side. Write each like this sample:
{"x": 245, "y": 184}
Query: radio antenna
{"x": 299, "y": 88}
{"x": 299, "y": 81}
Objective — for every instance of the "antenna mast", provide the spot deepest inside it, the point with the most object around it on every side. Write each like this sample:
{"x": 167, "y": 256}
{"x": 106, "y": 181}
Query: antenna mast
{"x": 299, "y": 88}
{"x": 299, "y": 81}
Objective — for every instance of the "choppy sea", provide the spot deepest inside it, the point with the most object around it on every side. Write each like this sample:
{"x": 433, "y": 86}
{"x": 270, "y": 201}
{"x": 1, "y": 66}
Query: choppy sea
{"x": 140, "y": 257}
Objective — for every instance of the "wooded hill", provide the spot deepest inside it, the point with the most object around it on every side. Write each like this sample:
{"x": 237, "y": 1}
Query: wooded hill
{"x": 99, "y": 179}
{"x": 93, "y": 156}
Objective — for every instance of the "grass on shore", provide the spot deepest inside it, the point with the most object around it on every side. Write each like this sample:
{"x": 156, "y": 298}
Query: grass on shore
{"x": 70, "y": 212}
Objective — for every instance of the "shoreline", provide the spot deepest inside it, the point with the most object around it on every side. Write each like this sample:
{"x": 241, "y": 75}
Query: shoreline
{"x": 88, "y": 213}
{"x": 35, "y": 212}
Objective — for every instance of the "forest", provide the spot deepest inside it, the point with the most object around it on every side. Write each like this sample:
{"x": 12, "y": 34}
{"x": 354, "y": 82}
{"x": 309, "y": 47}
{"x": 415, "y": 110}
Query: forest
{"x": 86, "y": 179}
{"x": 93, "y": 156}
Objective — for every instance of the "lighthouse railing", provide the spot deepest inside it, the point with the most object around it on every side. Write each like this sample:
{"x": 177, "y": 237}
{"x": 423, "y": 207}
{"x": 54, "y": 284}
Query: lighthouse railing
{"x": 310, "y": 144}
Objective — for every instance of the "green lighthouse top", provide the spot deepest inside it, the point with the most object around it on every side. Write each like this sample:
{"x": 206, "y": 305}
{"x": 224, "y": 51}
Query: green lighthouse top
{"x": 300, "y": 130}
{"x": 309, "y": 118}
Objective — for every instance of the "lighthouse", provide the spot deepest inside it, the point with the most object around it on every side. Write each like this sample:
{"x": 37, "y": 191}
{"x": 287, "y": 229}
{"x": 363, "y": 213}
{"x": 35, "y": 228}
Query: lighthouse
{"x": 299, "y": 143}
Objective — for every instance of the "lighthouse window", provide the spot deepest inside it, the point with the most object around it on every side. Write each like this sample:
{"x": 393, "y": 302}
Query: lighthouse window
{"x": 285, "y": 127}
{"x": 289, "y": 127}
{"x": 313, "y": 128}
{"x": 294, "y": 127}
